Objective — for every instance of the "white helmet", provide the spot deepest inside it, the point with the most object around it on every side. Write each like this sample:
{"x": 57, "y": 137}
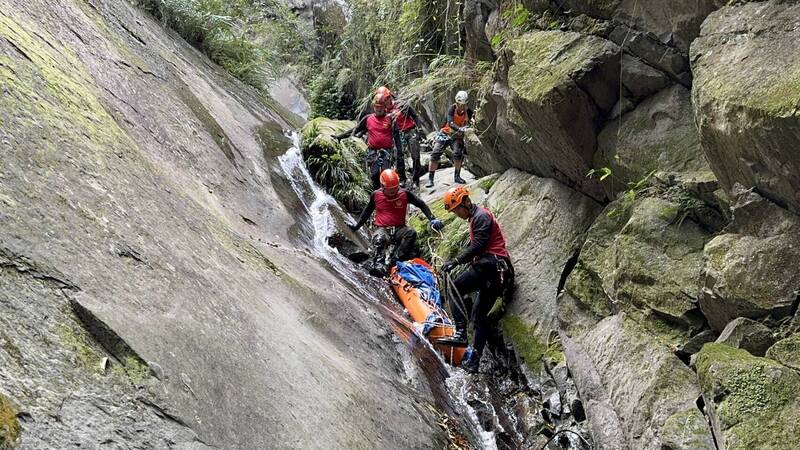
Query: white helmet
{"x": 461, "y": 97}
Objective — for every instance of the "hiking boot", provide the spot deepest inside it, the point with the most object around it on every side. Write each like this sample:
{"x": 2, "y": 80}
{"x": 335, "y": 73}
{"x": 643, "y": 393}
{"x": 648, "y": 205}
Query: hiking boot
{"x": 458, "y": 339}
{"x": 471, "y": 365}
{"x": 430, "y": 180}
{"x": 459, "y": 180}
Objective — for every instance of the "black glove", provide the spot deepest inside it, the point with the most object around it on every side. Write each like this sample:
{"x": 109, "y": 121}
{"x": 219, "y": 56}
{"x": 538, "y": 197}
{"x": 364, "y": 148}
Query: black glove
{"x": 449, "y": 265}
{"x": 353, "y": 227}
{"x": 437, "y": 224}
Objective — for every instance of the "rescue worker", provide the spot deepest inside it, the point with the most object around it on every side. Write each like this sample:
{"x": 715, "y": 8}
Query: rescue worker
{"x": 458, "y": 119}
{"x": 406, "y": 120}
{"x": 381, "y": 136}
{"x": 490, "y": 273}
{"x": 390, "y": 204}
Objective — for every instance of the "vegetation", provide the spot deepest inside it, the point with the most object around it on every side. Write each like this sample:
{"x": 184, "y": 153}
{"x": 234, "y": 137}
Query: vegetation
{"x": 252, "y": 39}
{"x": 337, "y": 167}
{"x": 9, "y": 426}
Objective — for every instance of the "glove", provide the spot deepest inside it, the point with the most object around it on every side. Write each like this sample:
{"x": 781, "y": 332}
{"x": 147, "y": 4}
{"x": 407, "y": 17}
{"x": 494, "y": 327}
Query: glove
{"x": 449, "y": 265}
{"x": 437, "y": 224}
{"x": 353, "y": 227}
{"x": 498, "y": 309}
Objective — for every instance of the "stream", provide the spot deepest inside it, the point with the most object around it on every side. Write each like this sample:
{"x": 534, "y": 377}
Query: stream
{"x": 499, "y": 410}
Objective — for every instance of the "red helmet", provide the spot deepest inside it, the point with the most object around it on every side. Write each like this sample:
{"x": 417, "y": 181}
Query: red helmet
{"x": 379, "y": 100}
{"x": 389, "y": 179}
{"x": 383, "y": 90}
{"x": 454, "y": 197}
{"x": 388, "y": 97}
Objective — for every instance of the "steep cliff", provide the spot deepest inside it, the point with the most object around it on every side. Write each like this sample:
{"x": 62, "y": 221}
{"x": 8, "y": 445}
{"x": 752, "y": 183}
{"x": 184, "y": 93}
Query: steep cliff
{"x": 157, "y": 286}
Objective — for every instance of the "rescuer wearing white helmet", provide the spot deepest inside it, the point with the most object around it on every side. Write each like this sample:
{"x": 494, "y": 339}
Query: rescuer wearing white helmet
{"x": 459, "y": 117}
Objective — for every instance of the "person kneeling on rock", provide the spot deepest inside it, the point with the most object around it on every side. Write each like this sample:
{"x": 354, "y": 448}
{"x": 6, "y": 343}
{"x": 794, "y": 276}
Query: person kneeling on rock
{"x": 390, "y": 204}
{"x": 490, "y": 274}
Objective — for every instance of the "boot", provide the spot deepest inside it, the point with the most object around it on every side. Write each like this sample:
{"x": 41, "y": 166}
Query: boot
{"x": 471, "y": 364}
{"x": 457, "y": 177}
{"x": 430, "y": 180}
{"x": 458, "y": 339}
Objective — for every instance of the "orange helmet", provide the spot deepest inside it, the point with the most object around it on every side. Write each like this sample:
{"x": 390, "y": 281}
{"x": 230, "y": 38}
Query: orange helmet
{"x": 454, "y": 197}
{"x": 379, "y": 100}
{"x": 389, "y": 179}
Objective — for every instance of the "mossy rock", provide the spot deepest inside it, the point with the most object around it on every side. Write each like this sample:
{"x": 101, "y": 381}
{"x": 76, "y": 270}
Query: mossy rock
{"x": 336, "y": 166}
{"x": 9, "y": 425}
{"x": 546, "y": 60}
{"x": 752, "y": 401}
{"x": 438, "y": 247}
{"x": 641, "y": 255}
{"x": 786, "y": 351}
{"x": 527, "y": 346}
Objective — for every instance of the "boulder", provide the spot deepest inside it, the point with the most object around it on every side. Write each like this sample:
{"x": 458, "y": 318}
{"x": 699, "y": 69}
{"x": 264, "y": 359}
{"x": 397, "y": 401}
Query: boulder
{"x": 748, "y": 335}
{"x": 635, "y": 389}
{"x": 746, "y": 94}
{"x": 543, "y": 222}
{"x": 659, "y": 135}
{"x": 751, "y": 268}
{"x": 674, "y": 23}
{"x": 638, "y": 255}
{"x": 786, "y": 351}
{"x": 696, "y": 342}
{"x": 640, "y": 79}
{"x": 552, "y": 91}
{"x": 752, "y": 402}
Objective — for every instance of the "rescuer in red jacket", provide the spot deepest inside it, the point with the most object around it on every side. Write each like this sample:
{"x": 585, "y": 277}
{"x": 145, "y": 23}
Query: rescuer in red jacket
{"x": 381, "y": 136}
{"x": 390, "y": 204}
{"x": 490, "y": 273}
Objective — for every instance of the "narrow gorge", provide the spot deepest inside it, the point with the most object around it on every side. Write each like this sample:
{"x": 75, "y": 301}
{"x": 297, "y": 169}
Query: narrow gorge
{"x": 176, "y": 269}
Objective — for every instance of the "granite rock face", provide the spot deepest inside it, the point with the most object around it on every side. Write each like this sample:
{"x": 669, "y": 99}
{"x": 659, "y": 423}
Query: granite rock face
{"x": 146, "y": 223}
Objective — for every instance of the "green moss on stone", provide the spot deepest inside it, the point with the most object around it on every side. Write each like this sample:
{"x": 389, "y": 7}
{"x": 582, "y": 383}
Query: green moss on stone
{"x": 435, "y": 246}
{"x": 9, "y": 425}
{"x": 527, "y": 345}
{"x": 134, "y": 368}
{"x": 755, "y": 399}
{"x": 76, "y": 339}
{"x": 786, "y": 351}
{"x": 544, "y": 60}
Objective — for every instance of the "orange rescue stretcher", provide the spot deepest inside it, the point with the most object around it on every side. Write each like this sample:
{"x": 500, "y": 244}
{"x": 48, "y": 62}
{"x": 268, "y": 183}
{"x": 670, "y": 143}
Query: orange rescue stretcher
{"x": 420, "y": 309}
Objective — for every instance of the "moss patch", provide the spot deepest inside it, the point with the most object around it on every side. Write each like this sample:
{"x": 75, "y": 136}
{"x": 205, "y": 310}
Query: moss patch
{"x": 527, "y": 345}
{"x": 438, "y": 247}
{"x": 134, "y": 368}
{"x": 76, "y": 339}
{"x": 544, "y": 60}
{"x": 9, "y": 425}
{"x": 787, "y": 352}
{"x": 755, "y": 399}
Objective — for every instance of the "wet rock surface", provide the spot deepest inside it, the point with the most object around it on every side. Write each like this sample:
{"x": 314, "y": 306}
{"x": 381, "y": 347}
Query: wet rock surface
{"x": 142, "y": 204}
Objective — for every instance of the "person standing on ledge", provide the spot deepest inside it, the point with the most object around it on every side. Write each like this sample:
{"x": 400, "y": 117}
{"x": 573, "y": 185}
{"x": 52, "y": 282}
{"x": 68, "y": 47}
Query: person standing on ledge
{"x": 458, "y": 119}
{"x": 490, "y": 273}
{"x": 381, "y": 137}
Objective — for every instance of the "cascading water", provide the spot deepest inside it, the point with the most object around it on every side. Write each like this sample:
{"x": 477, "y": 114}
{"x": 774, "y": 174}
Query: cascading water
{"x": 320, "y": 208}
{"x": 490, "y": 412}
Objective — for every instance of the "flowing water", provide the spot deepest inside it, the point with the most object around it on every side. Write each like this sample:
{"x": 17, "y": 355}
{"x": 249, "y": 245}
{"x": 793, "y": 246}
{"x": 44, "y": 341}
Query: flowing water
{"x": 490, "y": 414}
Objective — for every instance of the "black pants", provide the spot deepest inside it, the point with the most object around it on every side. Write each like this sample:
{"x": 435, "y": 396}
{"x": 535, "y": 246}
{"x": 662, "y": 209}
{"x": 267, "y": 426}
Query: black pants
{"x": 409, "y": 143}
{"x": 403, "y": 238}
{"x": 483, "y": 277}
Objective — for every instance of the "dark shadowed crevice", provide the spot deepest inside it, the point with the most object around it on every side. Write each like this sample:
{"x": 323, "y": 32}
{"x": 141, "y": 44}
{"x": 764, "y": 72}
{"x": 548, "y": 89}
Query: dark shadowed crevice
{"x": 568, "y": 267}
